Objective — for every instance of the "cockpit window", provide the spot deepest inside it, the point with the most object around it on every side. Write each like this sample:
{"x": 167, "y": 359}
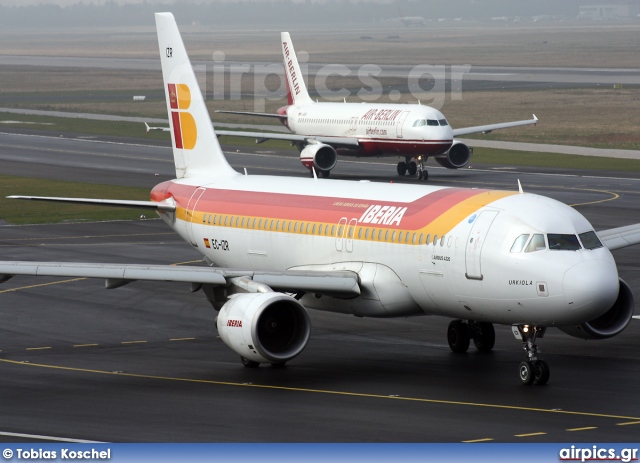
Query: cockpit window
{"x": 420, "y": 123}
{"x": 558, "y": 242}
{"x": 536, "y": 244}
{"x": 432, "y": 122}
{"x": 590, "y": 240}
{"x": 519, "y": 243}
{"x": 443, "y": 122}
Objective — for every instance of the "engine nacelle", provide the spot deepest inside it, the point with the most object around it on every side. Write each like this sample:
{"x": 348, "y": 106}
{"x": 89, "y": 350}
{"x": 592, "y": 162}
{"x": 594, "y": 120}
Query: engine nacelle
{"x": 610, "y": 323}
{"x": 264, "y": 327}
{"x": 322, "y": 157}
{"x": 458, "y": 156}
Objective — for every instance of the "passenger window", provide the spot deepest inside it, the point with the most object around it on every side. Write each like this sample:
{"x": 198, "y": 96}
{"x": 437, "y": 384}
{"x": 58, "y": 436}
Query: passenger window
{"x": 518, "y": 244}
{"x": 420, "y": 240}
{"x": 386, "y": 235}
{"x": 393, "y": 236}
{"x": 536, "y": 244}
{"x": 428, "y": 239}
{"x": 366, "y": 234}
{"x": 413, "y": 240}
{"x": 442, "y": 241}
{"x": 590, "y": 240}
{"x": 435, "y": 239}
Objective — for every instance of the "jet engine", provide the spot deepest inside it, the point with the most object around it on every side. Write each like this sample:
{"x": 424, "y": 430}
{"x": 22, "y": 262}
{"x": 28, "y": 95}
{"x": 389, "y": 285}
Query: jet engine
{"x": 610, "y": 323}
{"x": 322, "y": 157}
{"x": 458, "y": 156}
{"x": 264, "y": 327}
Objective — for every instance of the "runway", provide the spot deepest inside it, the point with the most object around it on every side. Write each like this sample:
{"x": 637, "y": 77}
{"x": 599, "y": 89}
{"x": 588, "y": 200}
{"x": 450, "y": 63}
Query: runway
{"x": 143, "y": 363}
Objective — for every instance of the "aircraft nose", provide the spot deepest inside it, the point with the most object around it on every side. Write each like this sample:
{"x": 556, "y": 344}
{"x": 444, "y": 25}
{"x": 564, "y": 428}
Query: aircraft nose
{"x": 591, "y": 286}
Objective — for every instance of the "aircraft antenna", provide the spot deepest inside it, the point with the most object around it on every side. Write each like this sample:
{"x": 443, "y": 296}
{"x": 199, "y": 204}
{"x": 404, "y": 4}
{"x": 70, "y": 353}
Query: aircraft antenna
{"x": 520, "y": 187}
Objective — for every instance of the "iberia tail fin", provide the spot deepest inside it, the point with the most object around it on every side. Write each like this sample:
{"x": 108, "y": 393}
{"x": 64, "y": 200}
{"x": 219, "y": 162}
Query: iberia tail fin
{"x": 196, "y": 150}
{"x": 296, "y": 89}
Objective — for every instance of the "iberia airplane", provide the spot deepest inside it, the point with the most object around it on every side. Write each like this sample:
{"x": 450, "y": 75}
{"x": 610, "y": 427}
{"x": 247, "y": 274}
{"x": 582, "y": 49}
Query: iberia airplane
{"x": 321, "y": 131}
{"x": 278, "y": 246}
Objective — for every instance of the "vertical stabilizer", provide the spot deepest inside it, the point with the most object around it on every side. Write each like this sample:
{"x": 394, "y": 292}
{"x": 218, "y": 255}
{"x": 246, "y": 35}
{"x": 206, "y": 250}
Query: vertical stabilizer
{"x": 296, "y": 89}
{"x": 196, "y": 150}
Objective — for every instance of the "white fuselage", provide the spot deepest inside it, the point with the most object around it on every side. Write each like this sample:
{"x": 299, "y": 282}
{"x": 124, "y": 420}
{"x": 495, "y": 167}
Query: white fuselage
{"x": 380, "y": 231}
{"x": 381, "y": 129}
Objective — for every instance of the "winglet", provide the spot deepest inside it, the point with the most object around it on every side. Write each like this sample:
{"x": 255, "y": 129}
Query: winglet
{"x": 196, "y": 150}
{"x": 535, "y": 119}
{"x": 296, "y": 89}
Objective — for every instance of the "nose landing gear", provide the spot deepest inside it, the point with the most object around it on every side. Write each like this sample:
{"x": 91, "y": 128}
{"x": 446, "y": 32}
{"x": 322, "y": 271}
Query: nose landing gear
{"x": 532, "y": 370}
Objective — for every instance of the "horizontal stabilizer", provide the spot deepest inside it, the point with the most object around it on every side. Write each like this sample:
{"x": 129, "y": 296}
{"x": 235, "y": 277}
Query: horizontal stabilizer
{"x": 161, "y": 206}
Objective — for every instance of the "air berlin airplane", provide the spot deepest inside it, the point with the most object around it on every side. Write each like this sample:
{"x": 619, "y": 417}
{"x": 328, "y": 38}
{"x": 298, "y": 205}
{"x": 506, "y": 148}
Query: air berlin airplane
{"x": 278, "y": 246}
{"x": 321, "y": 131}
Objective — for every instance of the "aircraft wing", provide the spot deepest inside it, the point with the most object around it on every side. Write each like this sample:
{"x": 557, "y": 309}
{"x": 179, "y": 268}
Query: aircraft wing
{"x": 249, "y": 113}
{"x": 491, "y": 127}
{"x": 264, "y": 136}
{"x": 159, "y": 206}
{"x": 336, "y": 283}
{"x": 617, "y": 238}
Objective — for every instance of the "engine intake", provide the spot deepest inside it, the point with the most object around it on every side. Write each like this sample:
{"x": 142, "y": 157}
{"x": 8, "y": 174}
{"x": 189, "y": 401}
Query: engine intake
{"x": 322, "y": 157}
{"x": 264, "y": 327}
{"x": 458, "y": 156}
{"x": 610, "y": 323}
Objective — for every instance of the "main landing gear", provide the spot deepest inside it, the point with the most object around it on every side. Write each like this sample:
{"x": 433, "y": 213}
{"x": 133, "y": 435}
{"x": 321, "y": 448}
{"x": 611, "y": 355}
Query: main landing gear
{"x": 532, "y": 370}
{"x": 460, "y": 333}
{"x": 414, "y": 167}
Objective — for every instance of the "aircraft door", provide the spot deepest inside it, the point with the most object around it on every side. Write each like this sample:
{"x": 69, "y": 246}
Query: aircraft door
{"x": 340, "y": 233}
{"x": 475, "y": 242}
{"x": 401, "y": 120}
{"x": 354, "y": 125}
{"x": 351, "y": 231}
{"x": 193, "y": 201}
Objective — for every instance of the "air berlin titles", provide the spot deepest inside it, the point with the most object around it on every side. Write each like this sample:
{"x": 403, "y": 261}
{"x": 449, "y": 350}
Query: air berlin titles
{"x": 292, "y": 71}
{"x": 381, "y": 115}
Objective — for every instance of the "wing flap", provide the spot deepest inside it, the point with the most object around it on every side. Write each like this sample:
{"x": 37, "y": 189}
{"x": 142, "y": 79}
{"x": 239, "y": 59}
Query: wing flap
{"x": 621, "y": 237}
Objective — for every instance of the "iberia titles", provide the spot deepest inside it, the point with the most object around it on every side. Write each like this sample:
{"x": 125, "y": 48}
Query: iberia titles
{"x": 384, "y": 215}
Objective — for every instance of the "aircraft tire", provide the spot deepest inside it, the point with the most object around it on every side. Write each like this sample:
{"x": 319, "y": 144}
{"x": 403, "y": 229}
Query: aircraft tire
{"x": 527, "y": 372}
{"x": 402, "y": 168}
{"x": 541, "y": 372}
{"x": 458, "y": 336}
{"x": 485, "y": 337}
{"x": 249, "y": 363}
{"x": 412, "y": 168}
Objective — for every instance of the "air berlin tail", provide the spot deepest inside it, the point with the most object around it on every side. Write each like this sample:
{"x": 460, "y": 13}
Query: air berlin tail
{"x": 296, "y": 89}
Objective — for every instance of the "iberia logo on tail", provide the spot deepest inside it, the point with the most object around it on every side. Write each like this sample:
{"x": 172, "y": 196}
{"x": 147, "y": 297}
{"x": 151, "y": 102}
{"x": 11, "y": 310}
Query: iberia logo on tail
{"x": 184, "y": 126}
